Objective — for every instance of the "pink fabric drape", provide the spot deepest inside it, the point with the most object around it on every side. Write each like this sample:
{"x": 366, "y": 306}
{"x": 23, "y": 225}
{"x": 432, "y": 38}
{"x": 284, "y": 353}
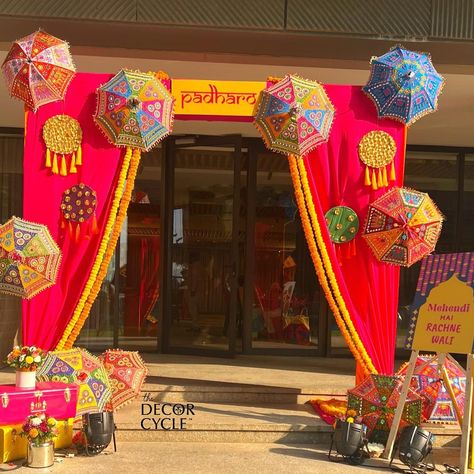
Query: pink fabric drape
{"x": 336, "y": 177}
{"x": 46, "y": 316}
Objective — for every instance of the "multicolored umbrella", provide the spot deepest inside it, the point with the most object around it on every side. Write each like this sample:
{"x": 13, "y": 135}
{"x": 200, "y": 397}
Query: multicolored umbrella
{"x": 127, "y": 373}
{"x": 376, "y": 399}
{"x": 402, "y": 226}
{"x": 38, "y": 69}
{"x": 29, "y": 258}
{"x": 404, "y": 85}
{"x": 134, "y": 109}
{"x": 428, "y": 383}
{"x": 294, "y": 115}
{"x": 82, "y": 368}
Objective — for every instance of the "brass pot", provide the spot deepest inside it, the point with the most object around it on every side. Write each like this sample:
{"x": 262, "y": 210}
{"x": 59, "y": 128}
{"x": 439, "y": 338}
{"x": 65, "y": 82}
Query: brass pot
{"x": 41, "y": 455}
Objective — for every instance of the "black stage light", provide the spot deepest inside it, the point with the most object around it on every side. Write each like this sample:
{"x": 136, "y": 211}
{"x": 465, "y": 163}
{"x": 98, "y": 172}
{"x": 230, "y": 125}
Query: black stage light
{"x": 414, "y": 445}
{"x": 99, "y": 429}
{"x": 349, "y": 440}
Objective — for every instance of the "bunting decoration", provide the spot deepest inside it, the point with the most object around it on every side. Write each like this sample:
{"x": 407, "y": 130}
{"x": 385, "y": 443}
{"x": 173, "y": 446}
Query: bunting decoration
{"x": 377, "y": 150}
{"x": 62, "y": 135}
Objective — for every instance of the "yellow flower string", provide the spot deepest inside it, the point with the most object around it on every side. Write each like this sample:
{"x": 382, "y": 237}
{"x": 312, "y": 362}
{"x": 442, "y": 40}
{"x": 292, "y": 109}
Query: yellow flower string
{"x": 110, "y": 247}
{"x": 102, "y": 248}
{"x": 318, "y": 264}
{"x": 367, "y": 362}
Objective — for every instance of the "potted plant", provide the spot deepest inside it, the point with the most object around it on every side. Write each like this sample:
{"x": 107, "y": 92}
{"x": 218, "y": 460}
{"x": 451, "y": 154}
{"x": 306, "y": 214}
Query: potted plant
{"x": 26, "y": 361}
{"x": 40, "y": 430}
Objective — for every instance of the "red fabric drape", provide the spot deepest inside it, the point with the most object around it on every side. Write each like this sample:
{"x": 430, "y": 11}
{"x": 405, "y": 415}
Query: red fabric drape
{"x": 336, "y": 177}
{"x": 46, "y": 316}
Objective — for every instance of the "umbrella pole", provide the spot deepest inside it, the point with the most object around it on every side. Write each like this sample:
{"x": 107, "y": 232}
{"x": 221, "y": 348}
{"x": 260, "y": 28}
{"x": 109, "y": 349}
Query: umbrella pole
{"x": 449, "y": 387}
{"x": 387, "y": 454}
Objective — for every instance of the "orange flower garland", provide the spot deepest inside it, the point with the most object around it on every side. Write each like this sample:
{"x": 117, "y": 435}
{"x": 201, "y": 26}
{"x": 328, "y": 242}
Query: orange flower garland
{"x": 101, "y": 252}
{"x": 323, "y": 265}
{"x": 109, "y": 247}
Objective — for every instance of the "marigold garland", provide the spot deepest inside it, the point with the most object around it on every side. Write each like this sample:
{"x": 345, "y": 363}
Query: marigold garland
{"x": 101, "y": 252}
{"x": 323, "y": 265}
{"x": 110, "y": 247}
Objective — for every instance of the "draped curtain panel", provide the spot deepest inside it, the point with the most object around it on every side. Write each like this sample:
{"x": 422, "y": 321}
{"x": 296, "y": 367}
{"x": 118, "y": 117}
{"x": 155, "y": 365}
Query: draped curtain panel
{"x": 362, "y": 292}
{"x": 46, "y": 316}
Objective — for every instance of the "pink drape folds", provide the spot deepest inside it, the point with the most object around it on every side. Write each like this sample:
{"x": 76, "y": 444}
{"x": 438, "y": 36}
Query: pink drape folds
{"x": 46, "y": 316}
{"x": 368, "y": 287}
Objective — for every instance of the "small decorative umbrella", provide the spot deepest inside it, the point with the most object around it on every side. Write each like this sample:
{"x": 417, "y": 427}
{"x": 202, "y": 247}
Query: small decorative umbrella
{"x": 404, "y": 85}
{"x": 82, "y": 368}
{"x": 294, "y": 115}
{"x": 402, "y": 226}
{"x": 428, "y": 383}
{"x": 376, "y": 399}
{"x": 29, "y": 258}
{"x": 38, "y": 69}
{"x": 134, "y": 109}
{"x": 127, "y": 373}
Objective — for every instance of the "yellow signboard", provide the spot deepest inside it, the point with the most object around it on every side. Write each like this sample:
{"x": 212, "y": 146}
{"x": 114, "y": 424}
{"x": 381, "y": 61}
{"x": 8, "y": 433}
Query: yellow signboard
{"x": 207, "y": 98}
{"x": 445, "y": 322}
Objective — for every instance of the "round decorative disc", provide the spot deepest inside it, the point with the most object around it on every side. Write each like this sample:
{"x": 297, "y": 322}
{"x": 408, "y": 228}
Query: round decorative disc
{"x": 78, "y": 203}
{"x": 62, "y": 134}
{"x": 377, "y": 149}
{"x": 343, "y": 224}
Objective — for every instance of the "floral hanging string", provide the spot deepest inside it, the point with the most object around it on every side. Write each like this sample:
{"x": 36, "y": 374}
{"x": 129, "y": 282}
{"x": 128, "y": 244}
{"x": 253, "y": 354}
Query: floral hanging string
{"x": 62, "y": 135}
{"x": 377, "y": 151}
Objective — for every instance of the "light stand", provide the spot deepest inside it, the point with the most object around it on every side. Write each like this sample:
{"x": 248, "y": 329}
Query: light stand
{"x": 349, "y": 440}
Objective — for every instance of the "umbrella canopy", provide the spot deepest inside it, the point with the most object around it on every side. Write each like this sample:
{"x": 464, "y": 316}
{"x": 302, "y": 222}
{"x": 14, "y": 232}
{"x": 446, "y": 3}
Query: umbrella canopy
{"x": 404, "y": 85}
{"x": 402, "y": 226}
{"x": 82, "y": 368}
{"x": 134, "y": 109}
{"x": 38, "y": 69}
{"x": 376, "y": 399}
{"x": 428, "y": 383}
{"x": 294, "y": 115}
{"x": 29, "y": 258}
{"x": 127, "y": 373}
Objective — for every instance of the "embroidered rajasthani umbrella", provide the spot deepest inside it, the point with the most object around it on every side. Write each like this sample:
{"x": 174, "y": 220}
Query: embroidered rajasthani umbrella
{"x": 294, "y": 115}
{"x": 404, "y": 85}
{"x": 134, "y": 109}
{"x": 29, "y": 258}
{"x": 82, "y": 368}
{"x": 376, "y": 399}
{"x": 428, "y": 383}
{"x": 127, "y": 373}
{"x": 402, "y": 226}
{"x": 38, "y": 69}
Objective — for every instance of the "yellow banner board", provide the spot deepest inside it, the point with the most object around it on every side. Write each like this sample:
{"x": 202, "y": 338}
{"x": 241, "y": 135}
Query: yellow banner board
{"x": 206, "y": 98}
{"x": 445, "y": 322}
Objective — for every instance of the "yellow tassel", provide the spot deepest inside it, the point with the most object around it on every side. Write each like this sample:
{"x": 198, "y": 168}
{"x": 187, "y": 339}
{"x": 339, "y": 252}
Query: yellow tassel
{"x": 385, "y": 179}
{"x": 63, "y": 171}
{"x": 392, "y": 172}
{"x": 367, "y": 176}
{"x": 48, "y": 158}
{"x": 73, "y": 168}
{"x": 95, "y": 227}
{"x": 379, "y": 178}
{"x": 54, "y": 168}
{"x": 374, "y": 181}
{"x": 78, "y": 233}
{"x": 79, "y": 156}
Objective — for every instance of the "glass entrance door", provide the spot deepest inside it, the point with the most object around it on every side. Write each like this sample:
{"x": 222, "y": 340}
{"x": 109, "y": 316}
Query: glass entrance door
{"x": 203, "y": 275}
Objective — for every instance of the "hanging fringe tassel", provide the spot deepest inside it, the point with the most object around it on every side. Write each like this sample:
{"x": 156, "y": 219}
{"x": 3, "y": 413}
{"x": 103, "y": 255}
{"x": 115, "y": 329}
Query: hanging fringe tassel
{"x": 72, "y": 168}
{"x": 392, "y": 172}
{"x": 79, "y": 156}
{"x": 63, "y": 171}
{"x": 379, "y": 178}
{"x": 385, "y": 179}
{"x": 63, "y": 222}
{"x": 48, "y": 158}
{"x": 367, "y": 176}
{"x": 338, "y": 253}
{"x": 70, "y": 229}
{"x": 374, "y": 181}
{"x": 353, "y": 248}
{"x": 54, "y": 168}
{"x": 77, "y": 236}
{"x": 95, "y": 227}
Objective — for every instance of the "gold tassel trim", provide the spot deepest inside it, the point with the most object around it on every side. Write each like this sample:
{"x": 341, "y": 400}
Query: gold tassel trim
{"x": 367, "y": 176}
{"x": 392, "y": 172}
{"x": 63, "y": 171}
{"x": 318, "y": 252}
{"x": 374, "y": 181}
{"x": 79, "y": 156}
{"x": 379, "y": 178}
{"x": 54, "y": 168}
{"x": 385, "y": 179}
{"x": 72, "y": 168}
{"x": 48, "y": 158}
